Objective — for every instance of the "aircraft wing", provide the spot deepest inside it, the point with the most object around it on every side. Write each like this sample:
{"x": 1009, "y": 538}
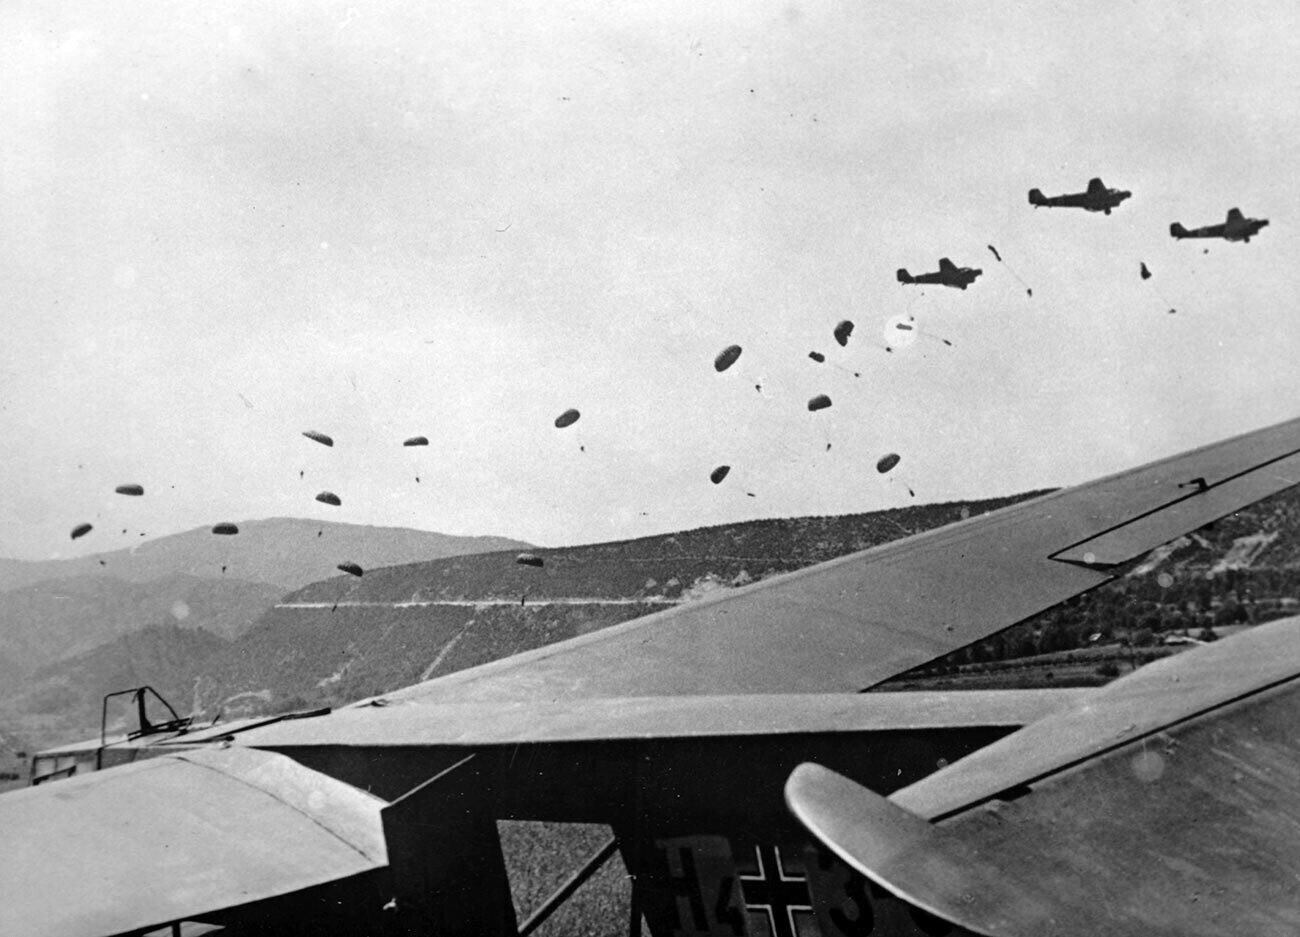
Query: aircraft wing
{"x": 1165, "y": 803}
{"x": 178, "y": 837}
{"x": 855, "y": 621}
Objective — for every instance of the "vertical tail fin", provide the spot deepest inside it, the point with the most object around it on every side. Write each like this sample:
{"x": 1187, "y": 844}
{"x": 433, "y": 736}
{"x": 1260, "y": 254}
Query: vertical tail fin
{"x": 904, "y": 276}
{"x": 1177, "y": 230}
{"x": 1036, "y": 197}
{"x": 1234, "y": 214}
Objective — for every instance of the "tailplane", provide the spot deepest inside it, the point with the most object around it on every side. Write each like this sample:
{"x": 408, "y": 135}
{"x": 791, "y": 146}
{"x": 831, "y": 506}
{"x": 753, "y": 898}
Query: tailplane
{"x": 904, "y": 276}
{"x": 1177, "y": 230}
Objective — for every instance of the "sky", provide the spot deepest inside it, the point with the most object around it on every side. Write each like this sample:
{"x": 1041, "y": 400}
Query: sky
{"x": 226, "y": 224}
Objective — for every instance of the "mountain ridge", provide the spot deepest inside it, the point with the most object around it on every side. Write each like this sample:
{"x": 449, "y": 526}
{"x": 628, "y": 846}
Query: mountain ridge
{"x": 283, "y": 551}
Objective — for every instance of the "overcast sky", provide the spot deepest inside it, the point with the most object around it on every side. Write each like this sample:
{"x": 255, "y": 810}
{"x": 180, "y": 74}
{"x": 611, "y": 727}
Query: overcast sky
{"x": 224, "y": 224}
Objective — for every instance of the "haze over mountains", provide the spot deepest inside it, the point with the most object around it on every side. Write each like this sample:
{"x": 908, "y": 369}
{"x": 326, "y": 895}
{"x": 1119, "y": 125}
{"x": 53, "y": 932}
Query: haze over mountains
{"x": 284, "y": 551}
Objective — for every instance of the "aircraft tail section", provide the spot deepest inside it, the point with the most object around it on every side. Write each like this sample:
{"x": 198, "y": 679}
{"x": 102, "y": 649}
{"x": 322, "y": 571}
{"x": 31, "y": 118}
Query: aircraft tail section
{"x": 1036, "y": 197}
{"x": 1096, "y": 185}
{"x": 904, "y": 276}
{"x": 1177, "y": 230}
{"x": 946, "y": 265}
{"x": 1234, "y": 214}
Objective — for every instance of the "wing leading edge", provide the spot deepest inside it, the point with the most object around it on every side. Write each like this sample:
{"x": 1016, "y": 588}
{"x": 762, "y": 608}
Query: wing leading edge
{"x": 853, "y": 622}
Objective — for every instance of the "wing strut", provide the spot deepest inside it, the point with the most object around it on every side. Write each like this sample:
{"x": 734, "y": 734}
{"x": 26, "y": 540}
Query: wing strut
{"x": 445, "y": 855}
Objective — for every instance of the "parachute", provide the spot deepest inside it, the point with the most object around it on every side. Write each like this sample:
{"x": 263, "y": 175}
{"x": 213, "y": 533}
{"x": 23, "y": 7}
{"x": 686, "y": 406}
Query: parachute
{"x": 727, "y": 357}
{"x": 817, "y": 356}
{"x": 135, "y": 490}
{"x": 719, "y": 473}
{"x": 567, "y": 418}
{"x": 81, "y": 530}
{"x": 820, "y": 402}
{"x": 351, "y": 568}
{"x": 887, "y": 462}
{"x": 529, "y": 559}
{"x": 842, "y": 332}
{"x": 225, "y": 529}
{"x": 329, "y": 497}
{"x": 417, "y": 441}
{"x": 318, "y": 437}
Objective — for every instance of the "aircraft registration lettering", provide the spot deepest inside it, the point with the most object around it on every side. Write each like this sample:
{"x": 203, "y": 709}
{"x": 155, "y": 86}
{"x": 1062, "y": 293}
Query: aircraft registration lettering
{"x": 702, "y": 895}
{"x": 847, "y": 904}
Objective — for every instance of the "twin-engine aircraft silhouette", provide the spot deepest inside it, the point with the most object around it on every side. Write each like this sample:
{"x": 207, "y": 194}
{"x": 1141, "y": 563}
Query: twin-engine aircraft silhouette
{"x": 1122, "y": 811}
{"x": 1096, "y": 198}
{"x": 1237, "y": 227}
{"x": 948, "y": 274}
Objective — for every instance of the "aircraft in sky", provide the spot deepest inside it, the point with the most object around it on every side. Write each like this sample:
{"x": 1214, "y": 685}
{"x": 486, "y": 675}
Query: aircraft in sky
{"x": 1096, "y": 198}
{"x": 1236, "y": 227}
{"x": 948, "y": 274}
{"x": 681, "y": 732}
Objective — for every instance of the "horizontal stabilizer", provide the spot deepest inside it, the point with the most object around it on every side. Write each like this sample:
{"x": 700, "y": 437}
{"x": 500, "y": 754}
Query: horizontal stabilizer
{"x": 1149, "y": 700}
{"x": 914, "y": 860}
{"x": 1163, "y": 806}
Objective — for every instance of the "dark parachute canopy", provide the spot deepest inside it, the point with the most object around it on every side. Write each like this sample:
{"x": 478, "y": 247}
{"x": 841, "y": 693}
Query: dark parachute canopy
{"x": 719, "y": 473}
{"x": 567, "y": 418}
{"x": 529, "y": 559}
{"x": 820, "y": 402}
{"x": 817, "y": 356}
{"x": 727, "y": 357}
{"x": 329, "y": 497}
{"x": 843, "y": 331}
{"x": 351, "y": 568}
{"x": 318, "y": 437}
{"x": 887, "y": 462}
{"x": 417, "y": 441}
{"x": 135, "y": 490}
{"x": 81, "y": 530}
{"x": 225, "y": 528}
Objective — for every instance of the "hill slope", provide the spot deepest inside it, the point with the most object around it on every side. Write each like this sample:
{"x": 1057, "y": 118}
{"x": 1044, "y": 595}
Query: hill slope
{"x": 344, "y": 638}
